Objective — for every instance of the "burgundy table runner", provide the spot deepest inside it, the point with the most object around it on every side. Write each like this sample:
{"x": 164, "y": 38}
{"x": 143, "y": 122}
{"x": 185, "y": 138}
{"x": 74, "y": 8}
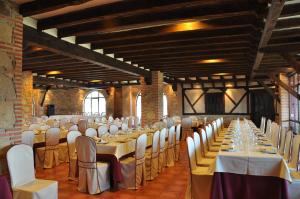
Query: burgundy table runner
{"x": 236, "y": 186}
{"x": 5, "y": 190}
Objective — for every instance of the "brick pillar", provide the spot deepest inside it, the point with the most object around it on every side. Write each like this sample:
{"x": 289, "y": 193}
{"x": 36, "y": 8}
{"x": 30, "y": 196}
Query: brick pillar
{"x": 27, "y": 96}
{"x": 11, "y": 40}
{"x": 284, "y": 103}
{"x": 152, "y": 99}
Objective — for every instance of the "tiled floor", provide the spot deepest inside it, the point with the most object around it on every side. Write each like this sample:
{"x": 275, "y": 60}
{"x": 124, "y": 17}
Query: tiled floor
{"x": 171, "y": 184}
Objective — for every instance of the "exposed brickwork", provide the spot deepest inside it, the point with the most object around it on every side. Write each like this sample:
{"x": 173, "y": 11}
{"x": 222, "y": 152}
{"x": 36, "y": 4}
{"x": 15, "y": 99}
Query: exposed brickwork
{"x": 284, "y": 103}
{"x": 11, "y": 42}
{"x": 27, "y": 96}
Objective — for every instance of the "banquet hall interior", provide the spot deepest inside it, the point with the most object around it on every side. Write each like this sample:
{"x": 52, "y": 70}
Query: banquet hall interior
{"x": 140, "y": 99}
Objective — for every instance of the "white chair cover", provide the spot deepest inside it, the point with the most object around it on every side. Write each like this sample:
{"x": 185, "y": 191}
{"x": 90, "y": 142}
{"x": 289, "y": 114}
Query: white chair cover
{"x": 93, "y": 176}
{"x": 268, "y": 128}
{"x": 110, "y": 119}
{"x": 73, "y": 128}
{"x": 82, "y": 126}
{"x": 282, "y": 141}
{"x": 102, "y": 130}
{"x": 212, "y": 146}
{"x": 133, "y": 169}
{"x": 48, "y": 156}
{"x": 124, "y": 127}
{"x": 22, "y": 174}
{"x": 113, "y": 129}
{"x": 177, "y": 145}
{"x": 263, "y": 124}
{"x": 170, "y": 153}
{"x": 27, "y": 137}
{"x": 201, "y": 161}
{"x": 275, "y": 131}
{"x": 162, "y": 153}
{"x": 152, "y": 158}
{"x": 205, "y": 150}
{"x": 287, "y": 145}
{"x": 294, "y": 163}
{"x": 34, "y": 127}
{"x": 91, "y": 132}
{"x": 200, "y": 177}
{"x": 71, "y": 137}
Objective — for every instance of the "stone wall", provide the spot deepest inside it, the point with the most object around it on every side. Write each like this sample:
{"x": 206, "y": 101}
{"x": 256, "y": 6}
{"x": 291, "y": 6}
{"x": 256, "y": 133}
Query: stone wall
{"x": 11, "y": 41}
{"x": 27, "y": 96}
{"x": 284, "y": 103}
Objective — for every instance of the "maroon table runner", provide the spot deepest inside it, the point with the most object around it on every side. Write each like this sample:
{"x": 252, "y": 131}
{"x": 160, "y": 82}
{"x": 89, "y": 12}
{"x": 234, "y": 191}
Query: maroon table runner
{"x": 236, "y": 186}
{"x": 5, "y": 191}
{"x": 115, "y": 168}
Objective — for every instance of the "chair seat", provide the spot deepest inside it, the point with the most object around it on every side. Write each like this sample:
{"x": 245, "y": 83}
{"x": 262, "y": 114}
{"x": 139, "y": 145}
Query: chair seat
{"x": 217, "y": 144}
{"x": 63, "y": 152}
{"x": 201, "y": 171}
{"x": 296, "y": 176}
{"x": 210, "y": 154}
{"x": 205, "y": 162}
{"x": 37, "y": 189}
{"x": 214, "y": 148}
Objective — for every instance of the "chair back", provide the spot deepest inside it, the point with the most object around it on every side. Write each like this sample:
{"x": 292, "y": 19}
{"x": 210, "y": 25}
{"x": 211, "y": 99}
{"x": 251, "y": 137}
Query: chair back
{"x": 71, "y": 137}
{"x": 110, "y": 119}
{"x": 113, "y": 129}
{"x": 263, "y": 124}
{"x": 27, "y": 138}
{"x": 73, "y": 128}
{"x": 295, "y": 152}
{"x": 52, "y": 136}
{"x": 191, "y": 152}
{"x": 124, "y": 127}
{"x": 268, "y": 128}
{"x": 34, "y": 127}
{"x": 140, "y": 148}
{"x": 102, "y": 130}
{"x": 91, "y": 132}
{"x": 287, "y": 145}
{"x": 218, "y": 127}
{"x": 162, "y": 139}
{"x": 171, "y": 137}
{"x": 20, "y": 165}
{"x": 155, "y": 142}
{"x": 282, "y": 141}
{"x": 82, "y": 126}
{"x": 204, "y": 140}
{"x": 198, "y": 149}
{"x": 275, "y": 131}
{"x": 178, "y": 132}
{"x": 86, "y": 152}
{"x": 208, "y": 131}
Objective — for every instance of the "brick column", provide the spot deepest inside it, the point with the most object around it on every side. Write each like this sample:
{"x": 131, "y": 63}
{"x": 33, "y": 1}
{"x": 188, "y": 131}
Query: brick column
{"x": 11, "y": 40}
{"x": 284, "y": 103}
{"x": 152, "y": 99}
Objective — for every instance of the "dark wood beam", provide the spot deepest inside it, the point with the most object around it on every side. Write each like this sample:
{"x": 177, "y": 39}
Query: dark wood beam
{"x": 270, "y": 23}
{"x": 281, "y": 48}
{"x": 286, "y": 33}
{"x": 77, "y": 52}
{"x": 292, "y": 60}
{"x": 290, "y": 10}
{"x": 285, "y": 86}
{"x": 269, "y": 90}
{"x": 41, "y": 6}
{"x": 56, "y": 82}
{"x": 287, "y": 23}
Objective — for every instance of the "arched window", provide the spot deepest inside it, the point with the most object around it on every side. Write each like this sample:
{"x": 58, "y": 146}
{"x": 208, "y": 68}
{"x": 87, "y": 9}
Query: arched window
{"x": 95, "y": 103}
{"x": 139, "y": 106}
{"x": 165, "y": 105}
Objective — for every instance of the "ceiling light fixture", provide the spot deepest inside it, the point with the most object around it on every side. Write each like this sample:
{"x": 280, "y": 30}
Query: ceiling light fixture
{"x": 54, "y": 72}
{"x": 211, "y": 61}
{"x": 96, "y": 81}
{"x": 221, "y": 74}
{"x": 187, "y": 26}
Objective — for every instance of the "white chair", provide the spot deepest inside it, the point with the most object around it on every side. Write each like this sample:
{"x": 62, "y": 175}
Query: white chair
{"x": 177, "y": 142}
{"x": 200, "y": 177}
{"x": 110, "y": 119}
{"x": 102, "y": 130}
{"x": 217, "y": 135}
{"x": 204, "y": 143}
{"x": 73, "y": 128}
{"x": 152, "y": 158}
{"x": 82, "y": 126}
{"x": 287, "y": 145}
{"x": 282, "y": 141}
{"x": 74, "y": 120}
{"x": 212, "y": 146}
{"x": 201, "y": 161}
{"x": 71, "y": 137}
{"x": 34, "y": 127}
{"x": 27, "y": 137}
{"x": 22, "y": 175}
{"x": 93, "y": 176}
{"x": 294, "y": 162}
{"x": 263, "y": 124}
{"x": 113, "y": 129}
{"x": 268, "y": 128}
{"x": 124, "y": 127}
{"x": 91, "y": 132}
{"x": 162, "y": 151}
{"x": 275, "y": 131}
{"x": 133, "y": 169}
{"x": 48, "y": 156}
{"x": 170, "y": 151}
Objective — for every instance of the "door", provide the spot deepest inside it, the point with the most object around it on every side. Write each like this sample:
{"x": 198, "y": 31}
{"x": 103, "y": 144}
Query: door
{"x": 262, "y": 104}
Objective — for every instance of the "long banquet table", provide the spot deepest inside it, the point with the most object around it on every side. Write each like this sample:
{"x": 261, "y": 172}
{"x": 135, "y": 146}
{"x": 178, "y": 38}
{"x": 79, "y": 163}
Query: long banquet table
{"x": 247, "y": 167}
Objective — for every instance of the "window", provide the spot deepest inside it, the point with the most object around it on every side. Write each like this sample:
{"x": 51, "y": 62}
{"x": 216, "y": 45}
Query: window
{"x": 95, "y": 103}
{"x": 139, "y": 106}
{"x": 165, "y": 105}
{"x": 214, "y": 103}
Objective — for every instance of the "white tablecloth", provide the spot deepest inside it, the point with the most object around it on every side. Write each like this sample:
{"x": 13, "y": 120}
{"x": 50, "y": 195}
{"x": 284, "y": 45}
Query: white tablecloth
{"x": 248, "y": 160}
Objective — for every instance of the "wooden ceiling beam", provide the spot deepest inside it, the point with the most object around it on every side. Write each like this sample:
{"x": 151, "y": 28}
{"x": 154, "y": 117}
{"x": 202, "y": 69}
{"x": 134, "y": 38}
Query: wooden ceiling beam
{"x": 77, "y": 52}
{"x": 290, "y": 10}
{"x": 118, "y": 9}
{"x": 42, "y": 6}
{"x": 50, "y": 61}
{"x": 270, "y": 23}
{"x": 282, "y": 48}
{"x": 287, "y": 23}
{"x": 51, "y": 81}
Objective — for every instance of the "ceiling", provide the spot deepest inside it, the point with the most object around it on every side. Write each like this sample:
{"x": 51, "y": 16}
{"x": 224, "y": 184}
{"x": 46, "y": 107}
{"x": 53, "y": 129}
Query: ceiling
{"x": 183, "y": 39}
